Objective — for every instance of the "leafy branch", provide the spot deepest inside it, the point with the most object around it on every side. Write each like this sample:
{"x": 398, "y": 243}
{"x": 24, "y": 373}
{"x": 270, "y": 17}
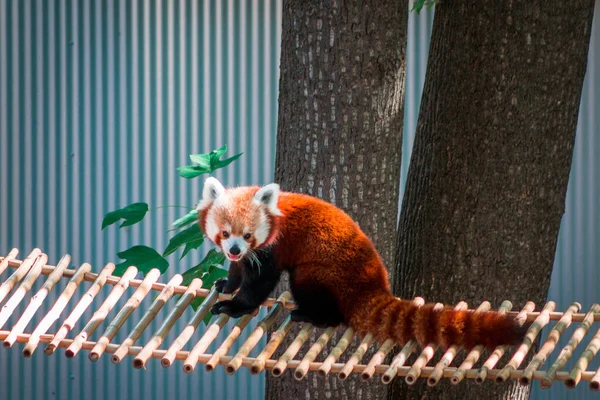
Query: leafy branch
{"x": 191, "y": 238}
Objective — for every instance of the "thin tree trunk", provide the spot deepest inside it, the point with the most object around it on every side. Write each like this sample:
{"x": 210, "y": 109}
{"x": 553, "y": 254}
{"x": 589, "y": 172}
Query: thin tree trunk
{"x": 340, "y": 132}
{"x": 488, "y": 176}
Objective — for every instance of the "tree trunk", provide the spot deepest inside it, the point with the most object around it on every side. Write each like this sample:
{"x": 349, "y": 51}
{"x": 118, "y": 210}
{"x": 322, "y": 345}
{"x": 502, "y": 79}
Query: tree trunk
{"x": 488, "y": 176}
{"x": 340, "y": 132}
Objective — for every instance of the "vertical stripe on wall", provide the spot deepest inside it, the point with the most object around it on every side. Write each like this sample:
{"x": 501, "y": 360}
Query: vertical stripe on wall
{"x": 101, "y": 101}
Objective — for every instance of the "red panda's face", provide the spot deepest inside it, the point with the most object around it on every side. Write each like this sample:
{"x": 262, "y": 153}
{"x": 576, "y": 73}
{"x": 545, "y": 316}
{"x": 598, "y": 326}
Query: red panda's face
{"x": 239, "y": 219}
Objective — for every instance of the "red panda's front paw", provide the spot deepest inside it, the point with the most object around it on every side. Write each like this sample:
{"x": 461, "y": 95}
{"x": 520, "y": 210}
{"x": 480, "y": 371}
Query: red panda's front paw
{"x": 223, "y": 285}
{"x": 231, "y": 308}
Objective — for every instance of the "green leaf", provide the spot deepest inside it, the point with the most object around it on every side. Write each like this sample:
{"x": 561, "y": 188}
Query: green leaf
{"x": 192, "y": 235}
{"x": 132, "y": 214}
{"x": 187, "y": 219}
{"x": 207, "y": 163}
{"x": 216, "y": 164}
{"x": 191, "y": 171}
{"x": 203, "y": 160}
{"x": 143, "y": 257}
{"x": 209, "y": 272}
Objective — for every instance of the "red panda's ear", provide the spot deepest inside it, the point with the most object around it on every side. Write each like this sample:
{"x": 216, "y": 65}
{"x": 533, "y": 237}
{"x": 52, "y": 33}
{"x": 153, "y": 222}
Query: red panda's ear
{"x": 212, "y": 190}
{"x": 268, "y": 196}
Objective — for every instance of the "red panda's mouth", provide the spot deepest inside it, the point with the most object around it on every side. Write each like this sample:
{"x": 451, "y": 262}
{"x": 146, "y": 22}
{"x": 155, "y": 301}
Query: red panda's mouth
{"x": 233, "y": 257}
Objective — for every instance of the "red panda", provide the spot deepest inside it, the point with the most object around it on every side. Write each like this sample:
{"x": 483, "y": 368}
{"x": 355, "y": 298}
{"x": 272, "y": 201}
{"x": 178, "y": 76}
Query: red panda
{"x": 336, "y": 275}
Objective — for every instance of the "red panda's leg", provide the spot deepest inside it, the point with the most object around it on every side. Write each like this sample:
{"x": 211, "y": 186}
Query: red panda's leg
{"x": 317, "y": 303}
{"x": 257, "y": 284}
{"x": 233, "y": 280}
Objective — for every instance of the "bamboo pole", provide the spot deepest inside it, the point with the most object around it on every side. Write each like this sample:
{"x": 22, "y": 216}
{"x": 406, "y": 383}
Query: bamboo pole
{"x": 399, "y": 361}
{"x": 9, "y": 257}
{"x": 540, "y": 358}
{"x": 473, "y": 355}
{"x": 429, "y": 350}
{"x": 158, "y": 338}
{"x": 276, "y": 338}
{"x": 584, "y": 360}
{"x": 36, "y": 301}
{"x": 56, "y": 310}
{"x": 153, "y": 310}
{"x": 499, "y": 351}
{"x": 312, "y": 353}
{"x": 567, "y": 352}
{"x": 124, "y": 313}
{"x": 235, "y": 333}
{"x": 356, "y": 356}
{"x": 22, "y": 290}
{"x": 385, "y": 348}
{"x": 16, "y": 277}
{"x": 336, "y": 352}
{"x": 189, "y": 330}
{"x": 209, "y": 336}
{"x": 535, "y": 328}
{"x": 80, "y": 308}
{"x": 377, "y": 359}
{"x": 100, "y": 315}
{"x": 262, "y": 327}
{"x": 292, "y": 350}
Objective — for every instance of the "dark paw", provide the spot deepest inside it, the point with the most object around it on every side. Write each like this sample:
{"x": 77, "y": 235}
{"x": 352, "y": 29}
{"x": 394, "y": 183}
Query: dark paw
{"x": 220, "y": 285}
{"x": 231, "y": 308}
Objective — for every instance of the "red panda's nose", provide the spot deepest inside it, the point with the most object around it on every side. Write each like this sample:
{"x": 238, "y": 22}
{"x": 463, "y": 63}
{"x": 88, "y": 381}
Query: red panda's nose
{"x": 234, "y": 250}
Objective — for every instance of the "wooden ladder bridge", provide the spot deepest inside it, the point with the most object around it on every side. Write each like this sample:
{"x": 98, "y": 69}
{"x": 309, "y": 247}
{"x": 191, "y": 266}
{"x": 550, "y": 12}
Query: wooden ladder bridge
{"x": 500, "y": 365}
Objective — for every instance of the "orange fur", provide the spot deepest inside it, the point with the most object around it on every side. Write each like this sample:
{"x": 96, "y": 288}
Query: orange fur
{"x": 323, "y": 247}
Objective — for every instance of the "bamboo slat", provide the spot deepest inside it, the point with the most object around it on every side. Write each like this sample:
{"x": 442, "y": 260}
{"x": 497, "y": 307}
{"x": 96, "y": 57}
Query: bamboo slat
{"x": 101, "y": 314}
{"x": 129, "y": 307}
{"x": 189, "y": 330}
{"x": 540, "y": 358}
{"x": 427, "y": 353}
{"x": 257, "y": 334}
{"x": 22, "y": 269}
{"x": 152, "y": 312}
{"x": 29, "y": 271}
{"x": 235, "y": 333}
{"x": 165, "y": 328}
{"x": 499, "y": 351}
{"x": 567, "y": 351}
{"x": 36, "y": 301}
{"x": 292, "y": 349}
{"x": 22, "y": 290}
{"x": 80, "y": 308}
{"x": 473, "y": 355}
{"x": 56, "y": 310}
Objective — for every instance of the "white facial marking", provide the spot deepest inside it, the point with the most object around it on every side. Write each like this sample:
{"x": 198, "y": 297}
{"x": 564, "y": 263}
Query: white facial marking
{"x": 262, "y": 231}
{"x": 227, "y": 244}
{"x": 268, "y": 196}
{"x": 212, "y": 228}
{"x": 213, "y": 190}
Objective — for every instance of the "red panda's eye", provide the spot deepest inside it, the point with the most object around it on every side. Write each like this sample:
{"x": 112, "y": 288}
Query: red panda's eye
{"x": 225, "y": 234}
{"x": 247, "y": 236}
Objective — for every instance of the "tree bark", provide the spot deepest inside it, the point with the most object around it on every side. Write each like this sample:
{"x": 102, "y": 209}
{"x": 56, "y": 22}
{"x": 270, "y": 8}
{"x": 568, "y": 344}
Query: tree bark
{"x": 488, "y": 175}
{"x": 340, "y": 132}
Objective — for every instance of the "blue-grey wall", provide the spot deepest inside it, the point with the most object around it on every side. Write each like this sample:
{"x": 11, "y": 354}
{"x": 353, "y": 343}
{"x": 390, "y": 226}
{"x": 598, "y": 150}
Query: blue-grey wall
{"x": 101, "y": 101}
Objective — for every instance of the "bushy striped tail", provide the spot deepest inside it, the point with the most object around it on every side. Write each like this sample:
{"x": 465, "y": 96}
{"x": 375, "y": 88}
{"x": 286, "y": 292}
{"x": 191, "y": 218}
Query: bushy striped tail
{"x": 401, "y": 320}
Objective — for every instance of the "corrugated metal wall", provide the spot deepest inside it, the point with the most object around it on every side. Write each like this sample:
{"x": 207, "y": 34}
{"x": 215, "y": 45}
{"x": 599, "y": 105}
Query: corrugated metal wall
{"x": 100, "y": 102}
{"x": 95, "y": 93}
